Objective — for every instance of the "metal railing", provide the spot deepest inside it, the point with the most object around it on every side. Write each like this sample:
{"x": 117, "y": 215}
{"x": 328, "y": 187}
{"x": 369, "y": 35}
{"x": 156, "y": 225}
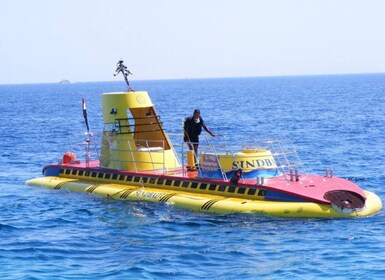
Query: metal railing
{"x": 150, "y": 147}
{"x": 282, "y": 150}
{"x": 129, "y": 125}
{"x": 88, "y": 147}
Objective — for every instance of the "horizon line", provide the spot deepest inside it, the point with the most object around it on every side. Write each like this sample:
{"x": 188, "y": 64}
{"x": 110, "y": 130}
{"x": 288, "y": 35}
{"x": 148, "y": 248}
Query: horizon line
{"x": 203, "y": 78}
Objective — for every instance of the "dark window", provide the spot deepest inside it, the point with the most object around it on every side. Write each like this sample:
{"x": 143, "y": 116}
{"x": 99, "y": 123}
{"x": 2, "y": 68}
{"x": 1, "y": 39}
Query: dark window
{"x": 108, "y": 176}
{"x": 222, "y": 188}
{"x": 203, "y": 186}
{"x": 168, "y": 182}
{"x": 212, "y": 187}
{"x": 241, "y": 190}
{"x": 114, "y": 176}
{"x": 176, "y": 183}
{"x": 136, "y": 179}
{"x": 231, "y": 189}
{"x": 100, "y": 175}
{"x": 251, "y": 191}
{"x": 262, "y": 192}
{"x": 81, "y": 173}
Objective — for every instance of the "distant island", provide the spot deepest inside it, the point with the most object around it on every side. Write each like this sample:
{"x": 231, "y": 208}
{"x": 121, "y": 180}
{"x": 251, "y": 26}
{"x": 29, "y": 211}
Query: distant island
{"x": 64, "y": 82}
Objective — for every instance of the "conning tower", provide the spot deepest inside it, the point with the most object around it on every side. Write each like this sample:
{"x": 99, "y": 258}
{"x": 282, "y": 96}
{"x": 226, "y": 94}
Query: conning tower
{"x": 133, "y": 136}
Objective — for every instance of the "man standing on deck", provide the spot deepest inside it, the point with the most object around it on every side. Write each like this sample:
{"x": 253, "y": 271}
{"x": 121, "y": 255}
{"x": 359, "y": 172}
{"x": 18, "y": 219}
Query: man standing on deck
{"x": 192, "y": 129}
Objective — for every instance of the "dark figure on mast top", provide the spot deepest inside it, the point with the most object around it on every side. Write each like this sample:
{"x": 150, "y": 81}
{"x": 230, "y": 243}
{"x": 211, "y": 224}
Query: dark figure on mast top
{"x": 120, "y": 67}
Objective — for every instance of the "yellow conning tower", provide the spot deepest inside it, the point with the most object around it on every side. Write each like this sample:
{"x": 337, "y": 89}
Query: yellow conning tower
{"x": 133, "y": 137}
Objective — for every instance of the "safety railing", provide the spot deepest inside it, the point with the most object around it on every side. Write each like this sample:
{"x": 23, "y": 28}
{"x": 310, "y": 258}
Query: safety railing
{"x": 284, "y": 153}
{"x": 215, "y": 149}
{"x": 133, "y": 125}
{"x": 87, "y": 148}
{"x": 282, "y": 150}
{"x": 151, "y": 154}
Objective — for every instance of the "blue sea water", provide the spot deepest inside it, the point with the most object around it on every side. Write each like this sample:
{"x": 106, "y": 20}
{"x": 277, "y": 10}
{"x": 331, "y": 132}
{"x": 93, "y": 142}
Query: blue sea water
{"x": 334, "y": 122}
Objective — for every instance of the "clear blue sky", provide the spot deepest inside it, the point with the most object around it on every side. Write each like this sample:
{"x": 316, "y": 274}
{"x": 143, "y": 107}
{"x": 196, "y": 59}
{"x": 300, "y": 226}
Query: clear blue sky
{"x": 81, "y": 40}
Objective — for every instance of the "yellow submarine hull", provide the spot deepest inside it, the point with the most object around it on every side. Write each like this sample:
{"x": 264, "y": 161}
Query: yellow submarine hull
{"x": 208, "y": 203}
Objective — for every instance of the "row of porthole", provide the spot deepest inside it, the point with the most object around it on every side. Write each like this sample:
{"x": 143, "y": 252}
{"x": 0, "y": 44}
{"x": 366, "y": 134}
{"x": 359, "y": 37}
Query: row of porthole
{"x": 168, "y": 182}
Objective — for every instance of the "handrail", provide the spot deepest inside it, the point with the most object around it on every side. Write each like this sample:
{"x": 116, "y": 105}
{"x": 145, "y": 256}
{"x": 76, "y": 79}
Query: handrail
{"x": 131, "y": 124}
{"x": 140, "y": 118}
{"x": 148, "y": 149}
{"x": 282, "y": 150}
{"x": 88, "y": 147}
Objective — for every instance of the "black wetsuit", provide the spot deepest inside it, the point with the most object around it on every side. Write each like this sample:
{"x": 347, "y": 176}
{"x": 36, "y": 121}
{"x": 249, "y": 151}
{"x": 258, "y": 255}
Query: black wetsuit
{"x": 192, "y": 129}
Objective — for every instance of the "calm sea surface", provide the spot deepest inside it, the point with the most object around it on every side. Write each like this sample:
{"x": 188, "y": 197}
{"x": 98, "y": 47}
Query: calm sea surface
{"x": 334, "y": 121}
